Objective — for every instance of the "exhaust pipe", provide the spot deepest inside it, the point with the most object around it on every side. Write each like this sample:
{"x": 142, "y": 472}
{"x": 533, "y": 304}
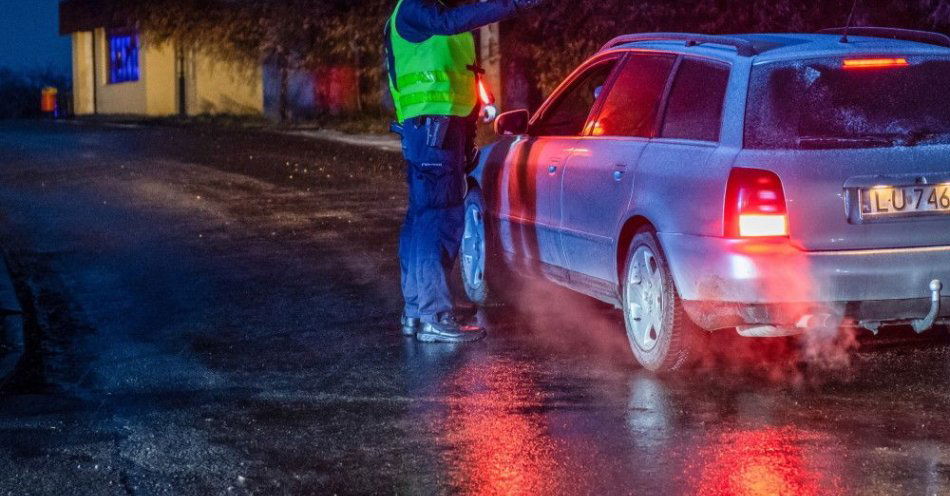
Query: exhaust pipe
{"x": 807, "y": 323}
{"x": 767, "y": 331}
{"x": 818, "y": 321}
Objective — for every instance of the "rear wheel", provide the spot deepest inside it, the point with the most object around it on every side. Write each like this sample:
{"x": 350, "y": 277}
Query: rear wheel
{"x": 661, "y": 335}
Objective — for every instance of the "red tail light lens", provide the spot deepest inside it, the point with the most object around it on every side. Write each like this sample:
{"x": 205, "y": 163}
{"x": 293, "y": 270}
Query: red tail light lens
{"x": 755, "y": 205}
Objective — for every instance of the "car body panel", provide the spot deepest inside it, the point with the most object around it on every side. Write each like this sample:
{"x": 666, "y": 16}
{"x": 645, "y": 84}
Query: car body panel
{"x": 727, "y": 282}
{"x": 523, "y": 196}
{"x": 881, "y": 269}
{"x": 764, "y": 271}
{"x": 681, "y": 186}
{"x": 531, "y": 217}
{"x": 818, "y": 200}
{"x": 598, "y": 185}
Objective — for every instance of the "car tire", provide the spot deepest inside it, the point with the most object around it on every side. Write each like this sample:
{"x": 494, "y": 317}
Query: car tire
{"x": 480, "y": 270}
{"x": 662, "y": 336}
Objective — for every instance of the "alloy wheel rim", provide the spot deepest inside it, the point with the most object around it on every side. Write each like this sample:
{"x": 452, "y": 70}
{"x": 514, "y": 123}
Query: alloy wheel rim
{"x": 473, "y": 247}
{"x": 644, "y": 297}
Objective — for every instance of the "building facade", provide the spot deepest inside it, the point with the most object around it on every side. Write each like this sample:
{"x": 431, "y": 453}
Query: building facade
{"x": 118, "y": 71}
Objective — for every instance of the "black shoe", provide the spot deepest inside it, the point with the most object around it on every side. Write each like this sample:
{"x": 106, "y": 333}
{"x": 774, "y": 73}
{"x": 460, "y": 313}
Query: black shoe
{"x": 410, "y": 326}
{"x": 447, "y": 330}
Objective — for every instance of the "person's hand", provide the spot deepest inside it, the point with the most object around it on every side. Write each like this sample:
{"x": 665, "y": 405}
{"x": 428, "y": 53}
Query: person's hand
{"x": 488, "y": 113}
{"x": 527, "y": 4}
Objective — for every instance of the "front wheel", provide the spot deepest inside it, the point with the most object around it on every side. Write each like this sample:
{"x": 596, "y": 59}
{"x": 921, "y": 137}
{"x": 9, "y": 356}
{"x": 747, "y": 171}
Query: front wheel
{"x": 662, "y": 336}
{"x": 474, "y": 253}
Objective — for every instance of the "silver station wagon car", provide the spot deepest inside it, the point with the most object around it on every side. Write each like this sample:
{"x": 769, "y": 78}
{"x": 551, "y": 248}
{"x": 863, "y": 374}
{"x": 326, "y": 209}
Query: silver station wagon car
{"x": 770, "y": 183}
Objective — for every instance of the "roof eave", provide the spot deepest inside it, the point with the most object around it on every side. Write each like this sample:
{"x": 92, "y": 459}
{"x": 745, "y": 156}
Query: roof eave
{"x": 87, "y": 15}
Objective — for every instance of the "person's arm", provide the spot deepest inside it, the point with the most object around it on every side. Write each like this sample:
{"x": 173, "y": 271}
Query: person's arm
{"x": 419, "y": 20}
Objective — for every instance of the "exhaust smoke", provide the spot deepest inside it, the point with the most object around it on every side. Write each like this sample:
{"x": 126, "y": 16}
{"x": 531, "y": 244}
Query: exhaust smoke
{"x": 566, "y": 322}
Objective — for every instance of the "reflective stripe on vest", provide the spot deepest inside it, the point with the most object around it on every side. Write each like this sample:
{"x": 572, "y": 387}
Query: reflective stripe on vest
{"x": 432, "y": 77}
{"x": 425, "y": 97}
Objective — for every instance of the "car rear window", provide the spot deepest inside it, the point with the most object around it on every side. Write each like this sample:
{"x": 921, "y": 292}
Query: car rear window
{"x": 821, "y": 103}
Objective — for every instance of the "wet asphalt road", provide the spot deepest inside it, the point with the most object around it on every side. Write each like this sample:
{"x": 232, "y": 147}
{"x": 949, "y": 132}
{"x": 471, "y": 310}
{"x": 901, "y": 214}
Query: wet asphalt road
{"x": 212, "y": 311}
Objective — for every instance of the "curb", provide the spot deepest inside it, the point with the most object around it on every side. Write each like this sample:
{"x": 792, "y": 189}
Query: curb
{"x": 11, "y": 323}
{"x": 386, "y": 142}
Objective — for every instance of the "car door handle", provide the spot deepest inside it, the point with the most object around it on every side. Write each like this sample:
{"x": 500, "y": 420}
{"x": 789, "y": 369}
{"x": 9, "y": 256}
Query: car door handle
{"x": 552, "y": 169}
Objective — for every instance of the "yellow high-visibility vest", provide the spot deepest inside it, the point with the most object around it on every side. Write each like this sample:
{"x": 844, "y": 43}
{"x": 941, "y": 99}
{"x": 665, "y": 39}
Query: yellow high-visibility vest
{"x": 434, "y": 77}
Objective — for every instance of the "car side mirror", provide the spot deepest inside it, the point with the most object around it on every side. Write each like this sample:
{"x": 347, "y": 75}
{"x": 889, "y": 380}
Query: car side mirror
{"x": 514, "y": 122}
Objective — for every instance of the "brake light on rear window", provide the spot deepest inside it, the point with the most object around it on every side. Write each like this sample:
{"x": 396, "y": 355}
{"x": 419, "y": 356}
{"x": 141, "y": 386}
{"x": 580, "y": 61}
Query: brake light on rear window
{"x": 755, "y": 205}
{"x": 874, "y": 63}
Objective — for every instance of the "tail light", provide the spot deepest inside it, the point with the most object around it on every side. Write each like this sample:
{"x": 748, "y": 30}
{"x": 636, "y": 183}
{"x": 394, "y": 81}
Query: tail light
{"x": 755, "y": 205}
{"x": 875, "y": 63}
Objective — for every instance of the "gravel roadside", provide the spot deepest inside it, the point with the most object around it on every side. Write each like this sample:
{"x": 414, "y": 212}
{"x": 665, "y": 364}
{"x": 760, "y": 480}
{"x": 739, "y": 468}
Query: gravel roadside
{"x": 11, "y": 325}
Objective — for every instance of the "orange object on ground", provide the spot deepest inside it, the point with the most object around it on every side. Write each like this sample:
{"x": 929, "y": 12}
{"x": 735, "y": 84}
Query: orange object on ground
{"x": 48, "y": 100}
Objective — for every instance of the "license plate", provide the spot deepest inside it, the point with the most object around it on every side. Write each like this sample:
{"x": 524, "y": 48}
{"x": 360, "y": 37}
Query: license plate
{"x": 905, "y": 201}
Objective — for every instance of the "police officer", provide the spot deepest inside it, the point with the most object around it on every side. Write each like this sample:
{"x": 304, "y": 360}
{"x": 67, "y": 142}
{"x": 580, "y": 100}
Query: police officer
{"x": 433, "y": 77}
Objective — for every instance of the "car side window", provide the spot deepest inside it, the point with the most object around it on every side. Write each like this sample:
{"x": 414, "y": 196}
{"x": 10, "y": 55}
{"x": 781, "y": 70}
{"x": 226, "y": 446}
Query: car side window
{"x": 631, "y": 106}
{"x": 568, "y": 114}
{"x": 696, "y": 100}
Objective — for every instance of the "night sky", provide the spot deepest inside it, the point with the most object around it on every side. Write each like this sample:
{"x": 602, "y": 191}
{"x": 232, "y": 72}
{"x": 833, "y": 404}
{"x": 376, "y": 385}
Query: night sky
{"x": 29, "y": 36}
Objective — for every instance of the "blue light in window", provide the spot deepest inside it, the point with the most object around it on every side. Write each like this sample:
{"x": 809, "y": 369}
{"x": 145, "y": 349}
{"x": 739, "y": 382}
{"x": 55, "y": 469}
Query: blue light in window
{"x": 123, "y": 58}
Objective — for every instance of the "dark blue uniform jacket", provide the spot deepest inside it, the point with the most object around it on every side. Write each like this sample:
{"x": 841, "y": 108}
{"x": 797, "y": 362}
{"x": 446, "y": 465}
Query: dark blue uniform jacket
{"x": 418, "y": 20}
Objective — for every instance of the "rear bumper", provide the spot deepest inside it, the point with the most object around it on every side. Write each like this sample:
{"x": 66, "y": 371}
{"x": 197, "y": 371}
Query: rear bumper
{"x": 714, "y": 315}
{"x": 726, "y": 282}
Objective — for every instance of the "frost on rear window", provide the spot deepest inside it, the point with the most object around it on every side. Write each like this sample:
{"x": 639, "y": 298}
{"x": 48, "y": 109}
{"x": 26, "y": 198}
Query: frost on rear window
{"x": 801, "y": 103}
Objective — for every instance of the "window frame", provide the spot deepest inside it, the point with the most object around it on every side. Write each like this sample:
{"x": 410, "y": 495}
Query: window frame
{"x": 661, "y": 115}
{"x": 661, "y": 105}
{"x": 617, "y": 56}
{"x": 133, "y": 35}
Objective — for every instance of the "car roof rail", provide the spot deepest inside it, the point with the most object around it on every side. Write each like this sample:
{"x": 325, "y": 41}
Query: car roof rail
{"x": 744, "y": 47}
{"x": 928, "y": 37}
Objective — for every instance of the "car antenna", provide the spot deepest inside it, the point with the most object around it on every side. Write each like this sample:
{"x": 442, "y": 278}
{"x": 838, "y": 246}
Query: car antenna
{"x": 844, "y": 36}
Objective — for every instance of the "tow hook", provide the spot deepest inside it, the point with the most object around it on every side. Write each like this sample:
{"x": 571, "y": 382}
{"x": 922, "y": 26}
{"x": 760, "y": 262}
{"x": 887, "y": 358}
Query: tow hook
{"x": 921, "y": 325}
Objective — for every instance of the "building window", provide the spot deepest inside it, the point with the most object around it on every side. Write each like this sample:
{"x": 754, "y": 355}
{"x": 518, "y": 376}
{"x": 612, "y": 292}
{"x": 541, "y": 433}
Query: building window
{"x": 123, "y": 57}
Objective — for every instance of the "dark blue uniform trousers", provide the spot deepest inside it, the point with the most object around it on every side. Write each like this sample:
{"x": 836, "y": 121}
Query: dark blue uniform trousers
{"x": 432, "y": 233}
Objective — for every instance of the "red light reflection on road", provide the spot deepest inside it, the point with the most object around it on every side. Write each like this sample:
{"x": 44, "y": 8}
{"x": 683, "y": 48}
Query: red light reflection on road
{"x": 502, "y": 448}
{"x": 764, "y": 462}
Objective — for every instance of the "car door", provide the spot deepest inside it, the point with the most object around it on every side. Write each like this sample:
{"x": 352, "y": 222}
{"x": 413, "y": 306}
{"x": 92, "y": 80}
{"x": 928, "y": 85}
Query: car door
{"x": 599, "y": 177}
{"x": 672, "y": 174}
{"x": 530, "y": 207}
